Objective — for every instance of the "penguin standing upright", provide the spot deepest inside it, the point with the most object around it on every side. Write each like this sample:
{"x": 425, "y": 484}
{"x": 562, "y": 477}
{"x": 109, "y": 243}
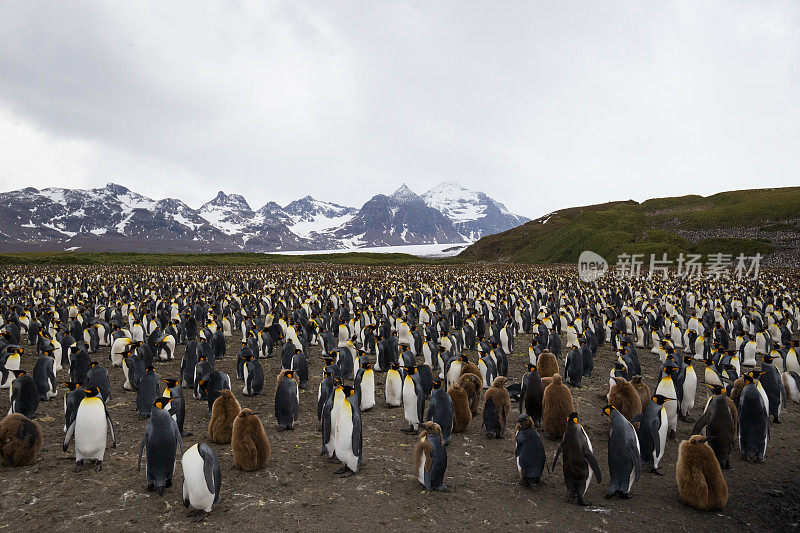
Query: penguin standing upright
{"x": 177, "y": 405}
{"x": 529, "y": 451}
{"x": 45, "y": 377}
{"x": 495, "y": 409}
{"x": 249, "y": 442}
{"x": 441, "y": 410}
{"x": 719, "y": 422}
{"x": 530, "y": 399}
{"x": 687, "y": 380}
{"x": 413, "y": 399}
{"x": 161, "y": 440}
{"x": 770, "y": 379}
{"x": 394, "y": 386}
{"x": 624, "y": 454}
{"x": 202, "y": 478}
{"x": 430, "y": 458}
{"x": 579, "y": 460}
{"x": 666, "y": 387}
{"x": 24, "y": 394}
{"x": 287, "y": 406}
{"x": 223, "y": 414}
{"x": 573, "y": 367}
{"x": 348, "y": 434}
{"x": 364, "y": 384}
{"x": 753, "y": 421}
{"x": 652, "y": 432}
{"x": 89, "y": 430}
{"x": 72, "y": 399}
{"x": 253, "y": 375}
{"x": 697, "y": 472}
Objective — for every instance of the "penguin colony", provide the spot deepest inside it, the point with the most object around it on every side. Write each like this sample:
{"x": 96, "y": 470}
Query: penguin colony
{"x": 441, "y": 342}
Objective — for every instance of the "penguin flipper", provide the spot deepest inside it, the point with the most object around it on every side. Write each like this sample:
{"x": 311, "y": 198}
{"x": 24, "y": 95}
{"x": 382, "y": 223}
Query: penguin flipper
{"x": 590, "y": 458}
{"x": 111, "y": 425}
{"x": 141, "y": 448}
{"x": 701, "y": 423}
{"x": 70, "y": 433}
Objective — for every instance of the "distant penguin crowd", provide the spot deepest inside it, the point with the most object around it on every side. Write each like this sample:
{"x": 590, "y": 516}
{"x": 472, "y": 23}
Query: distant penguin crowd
{"x": 440, "y": 338}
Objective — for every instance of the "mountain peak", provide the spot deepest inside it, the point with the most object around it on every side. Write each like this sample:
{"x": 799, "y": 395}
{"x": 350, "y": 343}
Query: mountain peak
{"x": 236, "y": 201}
{"x": 115, "y": 188}
{"x": 404, "y": 195}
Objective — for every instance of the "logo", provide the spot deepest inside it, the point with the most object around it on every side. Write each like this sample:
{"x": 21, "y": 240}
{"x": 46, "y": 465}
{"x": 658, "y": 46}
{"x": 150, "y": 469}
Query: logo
{"x": 591, "y": 266}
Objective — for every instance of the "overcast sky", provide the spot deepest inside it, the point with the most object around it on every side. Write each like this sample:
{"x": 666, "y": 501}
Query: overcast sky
{"x": 541, "y": 105}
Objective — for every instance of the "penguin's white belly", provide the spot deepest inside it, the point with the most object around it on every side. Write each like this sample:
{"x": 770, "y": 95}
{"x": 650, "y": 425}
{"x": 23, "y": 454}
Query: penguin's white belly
{"x": 453, "y": 373}
{"x": 421, "y": 470}
{"x": 689, "y": 390}
{"x": 344, "y": 440}
{"x": 116, "y": 351}
{"x": 668, "y": 389}
{"x": 246, "y": 389}
{"x": 410, "y": 405}
{"x": 90, "y": 430}
{"x": 393, "y": 390}
{"x": 367, "y": 391}
{"x": 662, "y": 438}
{"x": 195, "y": 488}
{"x": 792, "y": 392}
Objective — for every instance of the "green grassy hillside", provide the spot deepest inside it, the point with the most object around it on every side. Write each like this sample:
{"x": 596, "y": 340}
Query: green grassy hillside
{"x": 750, "y": 221}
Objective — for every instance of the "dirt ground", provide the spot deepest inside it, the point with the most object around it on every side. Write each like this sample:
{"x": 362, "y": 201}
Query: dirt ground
{"x": 299, "y": 491}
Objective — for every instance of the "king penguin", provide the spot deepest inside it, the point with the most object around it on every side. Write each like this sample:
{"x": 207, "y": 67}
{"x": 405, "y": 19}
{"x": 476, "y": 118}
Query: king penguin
{"x": 624, "y": 454}
{"x": 202, "y": 478}
{"x": 161, "y": 440}
{"x": 89, "y": 430}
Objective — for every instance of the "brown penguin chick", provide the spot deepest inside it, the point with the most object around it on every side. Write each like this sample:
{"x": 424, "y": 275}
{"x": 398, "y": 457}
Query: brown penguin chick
{"x": 495, "y": 408}
{"x": 20, "y": 440}
{"x": 461, "y": 406}
{"x": 471, "y": 368}
{"x": 249, "y": 442}
{"x": 643, "y": 390}
{"x": 556, "y": 405}
{"x": 625, "y": 398}
{"x": 473, "y": 385}
{"x": 699, "y": 477}
{"x": 223, "y": 413}
{"x": 547, "y": 365}
{"x": 423, "y": 449}
{"x": 546, "y": 382}
{"x": 738, "y": 387}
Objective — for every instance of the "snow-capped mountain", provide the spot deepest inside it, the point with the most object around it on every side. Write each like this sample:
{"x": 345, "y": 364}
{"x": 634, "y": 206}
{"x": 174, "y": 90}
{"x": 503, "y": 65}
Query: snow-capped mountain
{"x": 402, "y": 218}
{"x": 115, "y": 218}
{"x": 472, "y": 213}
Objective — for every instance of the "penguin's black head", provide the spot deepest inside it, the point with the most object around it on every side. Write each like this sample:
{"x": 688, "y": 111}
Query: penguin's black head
{"x": 608, "y": 409}
{"x": 619, "y": 366}
{"x": 531, "y": 367}
{"x": 150, "y": 369}
{"x": 203, "y": 384}
{"x": 437, "y": 383}
{"x": 70, "y": 385}
{"x": 749, "y": 378}
{"x": 288, "y": 374}
{"x": 768, "y": 358}
{"x": 572, "y": 417}
{"x": 19, "y": 373}
{"x": 394, "y": 366}
{"x": 170, "y": 382}
{"x": 348, "y": 391}
{"x": 162, "y": 402}
{"x": 92, "y": 392}
{"x": 93, "y": 364}
{"x": 716, "y": 389}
